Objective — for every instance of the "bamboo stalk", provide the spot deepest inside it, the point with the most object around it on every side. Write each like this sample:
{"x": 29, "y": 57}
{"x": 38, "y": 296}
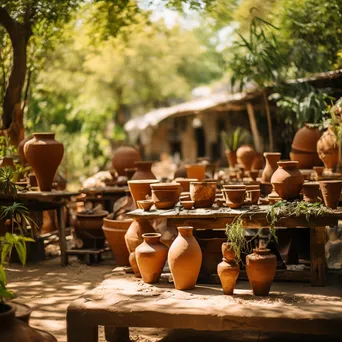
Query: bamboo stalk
{"x": 269, "y": 121}
{"x": 254, "y": 128}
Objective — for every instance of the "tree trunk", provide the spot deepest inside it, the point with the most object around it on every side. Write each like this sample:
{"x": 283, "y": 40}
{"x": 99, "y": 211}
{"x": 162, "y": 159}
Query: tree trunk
{"x": 269, "y": 120}
{"x": 254, "y": 128}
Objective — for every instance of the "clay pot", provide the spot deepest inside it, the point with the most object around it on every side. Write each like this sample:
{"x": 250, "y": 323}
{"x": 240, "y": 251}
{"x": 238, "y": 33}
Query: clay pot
{"x": 7, "y": 161}
{"x": 318, "y": 171}
{"x": 235, "y": 198}
{"x": 331, "y": 192}
{"x": 231, "y": 157}
{"x": 185, "y": 258}
{"x": 258, "y": 161}
{"x": 254, "y": 195}
{"x": 165, "y": 199}
{"x": 253, "y": 174}
{"x": 203, "y": 194}
{"x": 166, "y": 186}
{"x": 305, "y": 140}
{"x": 22, "y": 311}
{"x": 15, "y": 330}
{"x": 21, "y": 149}
{"x": 140, "y": 188}
{"x": 287, "y": 180}
{"x": 187, "y": 204}
{"x": 327, "y": 149}
{"x": 124, "y": 158}
{"x": 311, "y": 192}
{"x": 185, "y": 183}
{"x": 145, "y": 204}
{"x": 115, "y": 231}
{"x": 245, "y": 156}
{"x": 306, "y": 160}
{"x": 134, "y": 264}
{"x": 196, "y": 171}
{"x": 143, "y": 170}
{"x": 151, "y": 256}
{"x": 261, "y": 269}
{"x": 44, "y": 154}
{"x": 228, "y": 270}
{"x": 265, "y": 189}
{"x": 130, "y": 172}
{"x": 271, "y": 166}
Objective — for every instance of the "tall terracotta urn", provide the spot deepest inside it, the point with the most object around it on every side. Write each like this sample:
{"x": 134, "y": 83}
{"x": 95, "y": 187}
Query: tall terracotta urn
{"x": 151, "y": 256}
{"x": 143, "y": 170}
{"x": 271, "y": 166}
{"x": 228, "y": 270}
{"x": 124, "y": 158}
{"x": 185, "y": 258}
{"x": 44, "y": 154}
{"x": 245, "y": 156}
{"x": 261, "y": 269}
{"x": 287, "y": 180}
{"x": 21, "y": 149}
{"x": 327, "y": 149}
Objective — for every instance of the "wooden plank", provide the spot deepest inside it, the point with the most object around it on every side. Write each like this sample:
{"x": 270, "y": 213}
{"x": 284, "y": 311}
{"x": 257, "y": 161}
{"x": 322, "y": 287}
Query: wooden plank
{"x": 317, "y": 253}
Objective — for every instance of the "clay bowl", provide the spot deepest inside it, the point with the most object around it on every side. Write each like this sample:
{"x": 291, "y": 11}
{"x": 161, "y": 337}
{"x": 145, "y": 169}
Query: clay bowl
{"x": 252, "y": 187}
{"x": 166, "y": 186}
{"x": 235, "y": 198}
{"x": 234, "y": 186}
{"x": 145, "y": 204}
{"x": 187, "y": 204}
{"x": 203, "y": 194}
{"x": 165, "y": 199}
{"x": 140, "y": 188}
{"x": 91, "y": 223}
{"x": 185, "y": 183}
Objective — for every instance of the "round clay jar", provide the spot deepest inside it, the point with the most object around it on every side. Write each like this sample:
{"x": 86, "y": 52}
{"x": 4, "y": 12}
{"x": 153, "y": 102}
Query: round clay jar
{"x": 124, "y": 158}
{"x": 305, "y": 140}
{"x": 245, "y": 156}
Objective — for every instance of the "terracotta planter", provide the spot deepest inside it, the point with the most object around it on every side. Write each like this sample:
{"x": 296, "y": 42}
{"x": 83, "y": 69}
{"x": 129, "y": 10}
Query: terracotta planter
{"x": 143, "y": 170}
{"x": 203, "y": 194}
{"x": 115, "y": 231}
{"x": 327, "y": 149}
{"x": 44, "y": 154}
{"x": 167, "y": 186}
{"x": 231, "y": 157}
{"x": 258, "y": 161}
{"x": 245, "y": 156}
{"x": 7, "y": 161}
{"x": 185, "y": 183}
{"x": 124, "y": 158}
{"x": 305, "y": 140}
{"x": 311, "y": 193}
{"x": 254, "y": 196}
{"x": 140, "y": 188}
{"x": 271, "y": 166}
{"x": 21, "y": 149}
{"x": 196, "y": 171}
{"x": 235, "y": 198}
{"x": 306, "y": 160}
{"x": 287, "y": 180}
{"x": 181, "y": 172}
{"x": 151, "y": 256}
{"x": 261, "y": 269}
{"x": 165, "y": 199}
{"x": 228, "y": 270}
{"x": 185, "y": 258}
{"x": 331, "y": 192}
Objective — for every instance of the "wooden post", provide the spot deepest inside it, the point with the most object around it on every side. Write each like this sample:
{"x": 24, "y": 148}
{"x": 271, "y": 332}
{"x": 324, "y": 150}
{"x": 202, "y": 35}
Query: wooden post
{"x": 317, "y": 256}
{"x": 269, "y": 120}
{"x": 254, "y": 127}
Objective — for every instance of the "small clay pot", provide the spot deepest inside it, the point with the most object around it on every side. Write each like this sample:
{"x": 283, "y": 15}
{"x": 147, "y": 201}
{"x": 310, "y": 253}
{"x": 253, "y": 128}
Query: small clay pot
{"x": 228, "y": 270}
{"x": 306, "y": 138}
{"x": 196, "y": 171}
{"x": 151, "y": 256}
{"x": 327, "y": 149}
{"x": 203, "y": 194}
{"x": 287, "y": 180}
{"x": 124, "y": 158}
{"x": 235, "y": 198}
{"x": 185, "y": 183}
{"x": 311, "y": 193}
{"x": 331, "y": 192}
{"x": 187, "y": 204}
{"x": 261, "y": 269}
{"x": 318, "y": 171}
{"x": 145, "y": 204}
{"x": 165, "y": 199}
{"x": 143, "y": 170}
{"x": 271, "y": 166}
{"x": 130, "y": 172}
{"x": 231, "y": 157}
{"x": 185, "y": 259}
{"x": 254, "y": 195}
{"x": 140, "y": 188}
{"x": 90, "y": 223}
{"x": 253, "y": 174}
{"x": 265, "y": 189}
{"x": 245, "y": 156}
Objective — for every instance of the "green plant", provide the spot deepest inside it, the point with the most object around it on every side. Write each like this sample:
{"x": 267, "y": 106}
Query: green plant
{"x": 6, "y": 148}
{"x": 7, "y": 186}
{"x": 20, "y": 172}
{"x": 234, "y": 140}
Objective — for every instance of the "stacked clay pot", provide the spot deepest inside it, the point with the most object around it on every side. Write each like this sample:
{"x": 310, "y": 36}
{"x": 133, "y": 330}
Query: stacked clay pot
{"x": 327, "y": 149}
{"x": 124, "y": 158}
{"x": 143, "y": 170}
{"x": 304, "y": 147}
{"x": 140, "y": 188}
{"x": 203, "y": 194}
{"x": 245, "y": 156}
{"x": 44, "y": 154}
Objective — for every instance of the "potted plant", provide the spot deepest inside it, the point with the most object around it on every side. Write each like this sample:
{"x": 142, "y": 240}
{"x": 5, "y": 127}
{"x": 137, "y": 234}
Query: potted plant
{"x": 7, "y": 152}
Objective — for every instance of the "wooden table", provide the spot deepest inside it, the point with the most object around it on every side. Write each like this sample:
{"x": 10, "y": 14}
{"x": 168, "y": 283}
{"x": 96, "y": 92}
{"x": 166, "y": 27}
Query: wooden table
{"x": 47, "y": 200}
{"x": 253, "y": 217}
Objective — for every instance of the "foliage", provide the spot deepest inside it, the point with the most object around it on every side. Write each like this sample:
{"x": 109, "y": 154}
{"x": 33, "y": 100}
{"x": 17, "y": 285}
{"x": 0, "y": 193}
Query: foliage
{"x": 6, "y": 148}
{"x": 234, "y": 140}
{"x": 333, "y": 119}
{"x": 7, "y": 186}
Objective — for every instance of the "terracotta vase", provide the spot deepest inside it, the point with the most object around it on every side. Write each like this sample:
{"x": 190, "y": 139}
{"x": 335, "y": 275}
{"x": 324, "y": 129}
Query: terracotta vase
{"x": 235, "y": 198}
{"x": 124, "y": 158}
{"x": 13, "y": 329}
{"x": 143, "y": 170}
{"x": 196, "y": 171}
{"x": 331, "y": 192}
{"x": 327, "y": 149}
{"x": 245, "y": 156}
{"x": 203, "y": 194}
{"x": 311, "y": 193}
{"x": 261, "y": 269}
{"x": 185, "y": 258}
{"x": 271, "y": 166}
{"x": 7, "y": 161}
{"x": 305, "y": 140}
{"x": 115, "y": 231}
{"x": 287, "y": 180}
{"x": 44, "y": 154}
{"x": 258, "y": 161}
{"x": 21, "y": 149}
{"x": 228, "y": 270}
{"x": 151, "y": 256}
{"x": 231, "y": 157}
{"x": 140, "y": 188}
{"x": 306, "y": 160}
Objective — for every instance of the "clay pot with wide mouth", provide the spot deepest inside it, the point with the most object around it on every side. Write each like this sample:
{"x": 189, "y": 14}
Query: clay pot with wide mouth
{"x": 235, "y": 198}
{"x": 145, "y": 204}
{"x": 331, "y": 192}
{"x": 90, "y": 223}
{"x": 311, "y": 193}
{"x": 245, "y": 156}
{"x": 287, "y": 180}
{"x": 187, "y": 204}
{"x": 327, "y": 149}
{"x": 44, "y": 154}
{"x": 165, "y": 199}
{"x": 228, "y": 270}
{"x": 271, "y": 166}
{"x": 196, "y": 171}
{"x": 140, "y": 188}
{"x": 231, "y": 157}
{"x": 124, "y": 158}
{"x": 143, "y": 170}
{"x": 151, "y": 256}
{"x": 203, "y": 194}
{"x": 261, "y": 269}
{"x": 115, "y": 231}
{"x": 185, "y": 183}
{"x": 185, "y": 259}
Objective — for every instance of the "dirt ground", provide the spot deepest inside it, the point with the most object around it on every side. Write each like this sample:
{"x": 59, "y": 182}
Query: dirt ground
{"x": 49, "y": 288}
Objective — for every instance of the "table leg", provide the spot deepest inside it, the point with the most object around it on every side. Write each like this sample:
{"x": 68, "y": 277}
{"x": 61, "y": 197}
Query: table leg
{"x": 317, "y": 256}
{"x": 62, "y": 237}
{"x": 114, "y": 334}
{"x": 78, "y": 331}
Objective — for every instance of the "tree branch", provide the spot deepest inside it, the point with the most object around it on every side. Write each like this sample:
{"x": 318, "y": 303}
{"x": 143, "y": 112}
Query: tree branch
{"x": 8, "y": 23}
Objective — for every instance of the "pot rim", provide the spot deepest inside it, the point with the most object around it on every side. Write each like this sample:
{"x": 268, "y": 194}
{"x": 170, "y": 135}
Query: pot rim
{"x": 209, "y": 183}
{"x": 196, "y": 165}
{"x": 185, "y": 227}
{"x": 143, "y": 162}
{"x": 143, "y": 181}
{"x": 171, "y": 185}
{"x": 151, "y": 235}
{"x": 330, "y": 181}
{"x": 271, "y": 154}
{"x": 124, "y": 220}
{"x": 293, "y": 163}
{"x": 97, "y": 214}
{"x": 188, "y": 202}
